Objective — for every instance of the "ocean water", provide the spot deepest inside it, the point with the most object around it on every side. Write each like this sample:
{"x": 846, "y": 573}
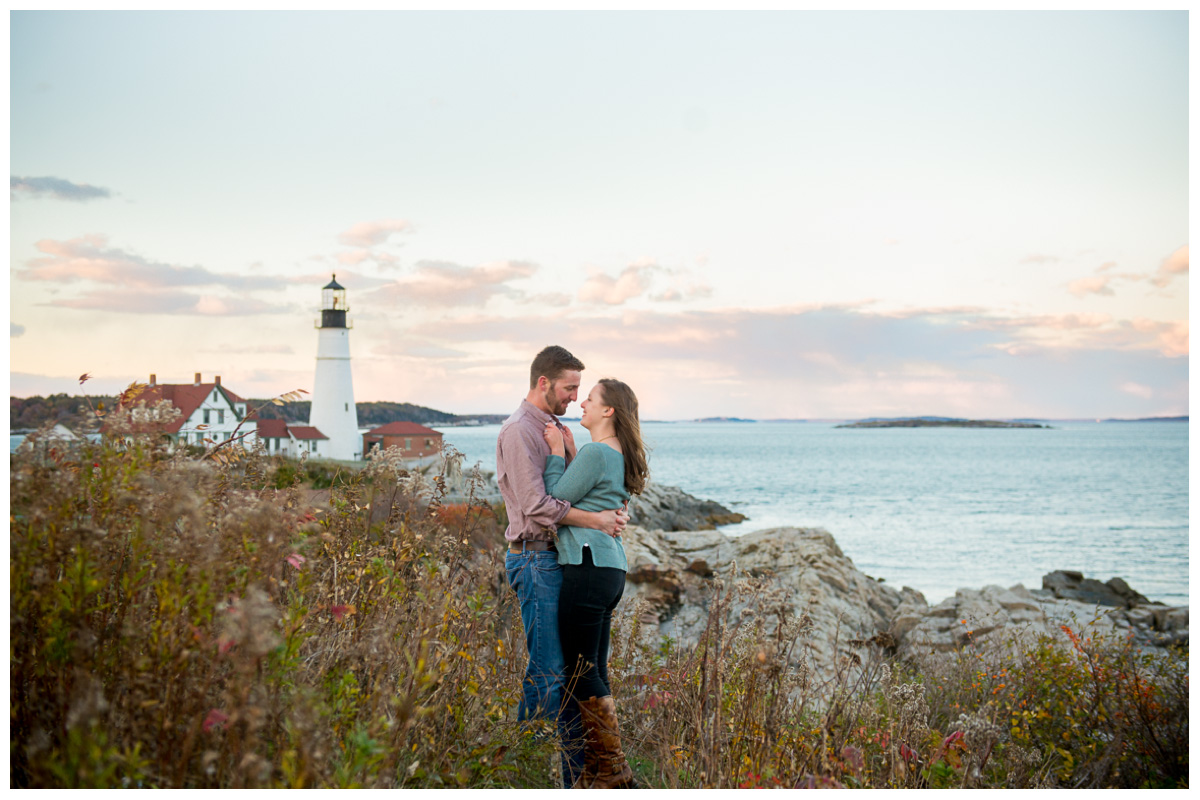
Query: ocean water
{"x": 940, "y": 509}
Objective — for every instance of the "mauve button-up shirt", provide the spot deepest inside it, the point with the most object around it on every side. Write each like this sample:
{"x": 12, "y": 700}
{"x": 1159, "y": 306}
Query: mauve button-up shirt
{"x": 521, "y": 452}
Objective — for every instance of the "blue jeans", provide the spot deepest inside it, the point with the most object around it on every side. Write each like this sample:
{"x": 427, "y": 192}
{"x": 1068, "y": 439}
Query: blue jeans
{"x": 536, "y": 577}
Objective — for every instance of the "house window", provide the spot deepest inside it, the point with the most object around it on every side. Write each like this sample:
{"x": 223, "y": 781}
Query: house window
{"x": 206, "y": 416}
{"x": 429, "y": 442}
{"x": 408, "y": 444}
{"x": 220, "y": 416}
{"x": 199, "y": 438}
{"x": 215, "y": 395}
{"x": 347, "y": 406}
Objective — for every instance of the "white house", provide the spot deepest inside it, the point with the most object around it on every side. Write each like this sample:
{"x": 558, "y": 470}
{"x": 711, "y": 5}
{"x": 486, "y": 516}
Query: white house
{"x": 210, "y": 413}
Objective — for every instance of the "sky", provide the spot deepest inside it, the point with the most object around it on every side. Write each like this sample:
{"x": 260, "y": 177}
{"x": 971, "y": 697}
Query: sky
{"x": 804, "y": 215}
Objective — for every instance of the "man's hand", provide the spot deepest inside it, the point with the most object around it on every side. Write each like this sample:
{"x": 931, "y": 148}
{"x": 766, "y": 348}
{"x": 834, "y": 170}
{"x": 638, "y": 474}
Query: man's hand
{"x": 612, "y": 522}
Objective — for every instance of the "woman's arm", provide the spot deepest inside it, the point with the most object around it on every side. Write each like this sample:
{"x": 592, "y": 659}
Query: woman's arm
{"x": 574, "y": 482}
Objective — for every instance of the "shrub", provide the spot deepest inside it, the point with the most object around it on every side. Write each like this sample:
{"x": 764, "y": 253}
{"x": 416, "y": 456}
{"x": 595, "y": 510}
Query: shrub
{"x": 183, "y": 620}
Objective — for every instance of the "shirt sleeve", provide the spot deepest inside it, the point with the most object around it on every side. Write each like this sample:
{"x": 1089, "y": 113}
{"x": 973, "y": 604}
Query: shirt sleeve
{"x": 574, "y": 482}
{"x": 522, "y": 459}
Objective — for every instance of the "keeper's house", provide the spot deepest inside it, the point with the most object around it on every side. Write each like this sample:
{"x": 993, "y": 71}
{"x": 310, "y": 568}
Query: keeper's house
{"x": 414, "y": 440}
{"x": 208, "y": 411}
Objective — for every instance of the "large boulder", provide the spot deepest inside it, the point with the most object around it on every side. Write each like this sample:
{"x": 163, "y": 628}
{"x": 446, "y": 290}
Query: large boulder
{"x": 680, "y": 583}
{"x": 668, "y": 508}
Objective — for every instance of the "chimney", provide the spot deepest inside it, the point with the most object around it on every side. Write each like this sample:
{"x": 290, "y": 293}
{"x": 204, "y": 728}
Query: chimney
{"x": 218, "y": 379}
{"x": 153, "y": 379}
{"x": 197, "y": 383}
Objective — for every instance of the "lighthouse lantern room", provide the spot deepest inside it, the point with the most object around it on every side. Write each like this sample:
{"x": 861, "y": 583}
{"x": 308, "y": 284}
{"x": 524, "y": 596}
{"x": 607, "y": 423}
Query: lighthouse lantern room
{"x": 333, "y": 411}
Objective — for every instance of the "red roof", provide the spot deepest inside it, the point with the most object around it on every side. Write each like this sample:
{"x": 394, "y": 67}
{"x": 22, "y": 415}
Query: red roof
{"x": 402, "y": 429}
{"x": 305, "y": 432}
{"x": 272, "y": 429}
{"x": 187, "y": 397}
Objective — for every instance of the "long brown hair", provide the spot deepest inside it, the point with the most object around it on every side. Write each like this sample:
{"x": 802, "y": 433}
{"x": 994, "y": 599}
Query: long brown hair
{"x": 623, "y": 401}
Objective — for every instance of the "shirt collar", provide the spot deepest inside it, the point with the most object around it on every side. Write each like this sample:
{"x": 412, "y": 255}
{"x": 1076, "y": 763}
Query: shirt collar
{"x": 537, "y": 413}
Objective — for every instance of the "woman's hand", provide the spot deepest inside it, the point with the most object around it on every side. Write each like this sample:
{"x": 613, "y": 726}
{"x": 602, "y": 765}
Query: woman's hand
{"x": 554, "y": 438}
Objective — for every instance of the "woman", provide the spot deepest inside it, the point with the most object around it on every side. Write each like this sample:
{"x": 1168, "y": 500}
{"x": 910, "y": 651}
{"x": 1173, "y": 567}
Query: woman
{"x": 603, "y": 474}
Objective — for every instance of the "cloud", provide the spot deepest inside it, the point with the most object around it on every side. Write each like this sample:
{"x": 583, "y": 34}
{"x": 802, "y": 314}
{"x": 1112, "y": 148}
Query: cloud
{"x": 441, "y": 283}
{"x": 15, "y": 330}
{"x": 1170, "y": 337}
{"x": 56, "y": 188}
{"x": 1137, "y": 389}
{"x": 352, "y": 280}
{"x": 1097, "y": 284}
{"x": 369, "y": 234}
{"x": 677, "y": 294}
{"x": 415, "y": 348}
{"x": 89, "y": 258}
{"x": 258, "y": 349}
{"x": 552, "y": 299}
{"x": 1039, "y": 258}
{"x": 603, "y": 288}
{"x": 839, "y": 362}
{"x": 168, "y": 302}
{"x": 1173, "y": 265}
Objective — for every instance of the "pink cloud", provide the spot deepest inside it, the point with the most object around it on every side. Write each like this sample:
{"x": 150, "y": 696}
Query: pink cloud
{"x": 603, "y": 288}
{"x": 1173, "y": 265}
{"x": 1097, "y": 284}
{"x": 167, "y": 302}
{"x": 1171, "y": 338}
{"x": 369, "y": 234}
{"x": 441, "y": 283}
{"x": 89, "y": 258}
{"x": 1039, "y": 258}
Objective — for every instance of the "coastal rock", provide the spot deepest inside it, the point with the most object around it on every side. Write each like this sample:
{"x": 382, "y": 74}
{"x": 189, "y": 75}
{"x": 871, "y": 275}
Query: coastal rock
{"x": 668, "y": 508}
{"x": 682, "y": 583}
{"x": 790, "y": 576}
{"x": 994, "y": 616}
{"x": 1071, "y": 585}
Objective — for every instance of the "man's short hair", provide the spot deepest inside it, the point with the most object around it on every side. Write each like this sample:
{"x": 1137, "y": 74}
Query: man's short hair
{"x": 552, "y": 362}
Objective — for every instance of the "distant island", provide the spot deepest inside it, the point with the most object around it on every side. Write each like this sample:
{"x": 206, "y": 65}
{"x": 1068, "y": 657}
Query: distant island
{"x": 939, "y": 422}
{"x": 725, "y": 419}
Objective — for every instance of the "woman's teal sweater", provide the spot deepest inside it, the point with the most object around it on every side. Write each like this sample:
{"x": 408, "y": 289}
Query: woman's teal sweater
{"x": 595, "y": 481}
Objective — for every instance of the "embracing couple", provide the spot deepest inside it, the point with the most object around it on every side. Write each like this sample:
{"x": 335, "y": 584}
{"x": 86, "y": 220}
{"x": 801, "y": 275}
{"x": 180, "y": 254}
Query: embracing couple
{"x": 565, "y": 561}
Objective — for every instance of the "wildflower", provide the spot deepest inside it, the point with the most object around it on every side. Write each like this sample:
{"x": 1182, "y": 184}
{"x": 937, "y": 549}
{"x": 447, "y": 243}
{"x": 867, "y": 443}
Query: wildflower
{"x": 215, "y": 719}
{"x": 342, "y": 611}
{"x": 295, "y": 559}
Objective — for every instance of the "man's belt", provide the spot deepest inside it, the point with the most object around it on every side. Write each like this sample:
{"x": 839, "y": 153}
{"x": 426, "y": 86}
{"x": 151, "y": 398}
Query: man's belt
{"x": 530, "y": 546}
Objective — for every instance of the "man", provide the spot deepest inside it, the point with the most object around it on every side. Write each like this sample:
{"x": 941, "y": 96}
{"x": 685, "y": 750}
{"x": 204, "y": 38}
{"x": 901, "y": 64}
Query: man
{"x": 532, "y": 561}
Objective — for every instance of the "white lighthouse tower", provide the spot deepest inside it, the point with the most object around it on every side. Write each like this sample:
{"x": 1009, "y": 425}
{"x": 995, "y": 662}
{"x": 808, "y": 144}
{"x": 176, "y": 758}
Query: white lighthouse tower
{"x": 333, "y": 412}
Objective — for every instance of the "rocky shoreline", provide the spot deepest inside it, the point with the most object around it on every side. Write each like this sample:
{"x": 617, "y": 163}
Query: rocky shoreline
{"x": 800, "y": 574}
{"x": 680, "y": 566}
{"x": 678, "y": 570}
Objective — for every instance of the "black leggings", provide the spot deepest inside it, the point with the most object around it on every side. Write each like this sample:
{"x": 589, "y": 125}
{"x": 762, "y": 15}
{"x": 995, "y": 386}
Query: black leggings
{"x": 585, "y": 608}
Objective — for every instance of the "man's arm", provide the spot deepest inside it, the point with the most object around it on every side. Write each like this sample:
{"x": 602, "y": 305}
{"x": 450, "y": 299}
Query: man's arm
{"x": 523, "y": 464}
{"x": 612, "y": 522}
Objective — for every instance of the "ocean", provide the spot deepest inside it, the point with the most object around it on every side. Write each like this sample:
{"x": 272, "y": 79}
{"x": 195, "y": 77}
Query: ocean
{"x": 940, "y": 509}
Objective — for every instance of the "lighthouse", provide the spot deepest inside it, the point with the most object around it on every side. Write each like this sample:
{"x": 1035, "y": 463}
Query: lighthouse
{"x": 333, "y": 411}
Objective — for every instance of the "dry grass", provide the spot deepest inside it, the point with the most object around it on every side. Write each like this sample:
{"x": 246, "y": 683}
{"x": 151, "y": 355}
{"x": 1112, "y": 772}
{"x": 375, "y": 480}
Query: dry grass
{"x": 177, "y": 621}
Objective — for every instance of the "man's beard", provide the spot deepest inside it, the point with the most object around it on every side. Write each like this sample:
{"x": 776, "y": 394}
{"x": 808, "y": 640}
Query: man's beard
{"x": 551, "y": 401}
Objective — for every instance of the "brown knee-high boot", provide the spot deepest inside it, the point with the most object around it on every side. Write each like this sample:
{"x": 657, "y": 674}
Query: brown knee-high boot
{"x": 611, "y": 770}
